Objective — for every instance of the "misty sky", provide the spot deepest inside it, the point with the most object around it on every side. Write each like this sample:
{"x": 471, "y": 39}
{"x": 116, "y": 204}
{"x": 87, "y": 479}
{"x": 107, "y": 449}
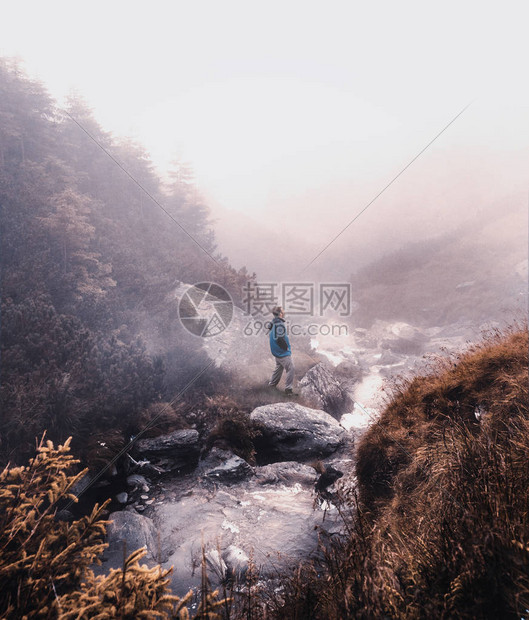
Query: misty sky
{"x": 299, "y": 108}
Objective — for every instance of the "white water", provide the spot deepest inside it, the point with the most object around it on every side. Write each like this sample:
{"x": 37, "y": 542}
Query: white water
{"x": 276, "y": 525}
{"x": 368, "y": 393}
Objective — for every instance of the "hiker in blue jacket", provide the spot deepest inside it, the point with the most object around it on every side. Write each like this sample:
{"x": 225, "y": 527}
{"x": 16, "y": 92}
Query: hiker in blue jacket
{"x": 280, "y": 347}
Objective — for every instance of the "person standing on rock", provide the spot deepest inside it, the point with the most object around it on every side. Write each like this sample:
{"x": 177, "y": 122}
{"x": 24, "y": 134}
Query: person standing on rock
{"x": 280, "y": 347}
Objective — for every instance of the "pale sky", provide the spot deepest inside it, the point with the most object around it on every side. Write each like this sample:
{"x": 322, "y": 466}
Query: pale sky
{"x": 305, "y": 107}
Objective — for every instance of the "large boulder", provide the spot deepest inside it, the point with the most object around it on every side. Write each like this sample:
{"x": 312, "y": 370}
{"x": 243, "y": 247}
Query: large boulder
{"x": 223, "y": 466}
{"x": 349, "y": 373}
{"x": 320, "y": 387}
{"x": 286, "y": 472}
{"x": 174, "y": 451}
{"x": 291, "y": 432}
{"x": 126, "y": 532}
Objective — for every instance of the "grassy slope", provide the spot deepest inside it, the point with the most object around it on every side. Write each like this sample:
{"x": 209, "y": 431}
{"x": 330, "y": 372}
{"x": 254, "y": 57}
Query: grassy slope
{"x": 442, "y": 528}
{"x": 448, "y": 493}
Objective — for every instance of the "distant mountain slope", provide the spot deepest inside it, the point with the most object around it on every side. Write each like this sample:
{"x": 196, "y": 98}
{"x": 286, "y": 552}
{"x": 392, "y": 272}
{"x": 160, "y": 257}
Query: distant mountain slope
{"x": 465, "y": 276}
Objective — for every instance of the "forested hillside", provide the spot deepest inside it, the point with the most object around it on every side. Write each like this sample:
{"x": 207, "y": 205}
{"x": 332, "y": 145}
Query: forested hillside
{"x": 87, "y": 261}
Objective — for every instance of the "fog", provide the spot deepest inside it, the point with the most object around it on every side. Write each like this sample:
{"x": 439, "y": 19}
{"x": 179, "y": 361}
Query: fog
{"x": 372, "y": 158}
{"x": 458, "y": 184}
{"x": 293, "y": 118}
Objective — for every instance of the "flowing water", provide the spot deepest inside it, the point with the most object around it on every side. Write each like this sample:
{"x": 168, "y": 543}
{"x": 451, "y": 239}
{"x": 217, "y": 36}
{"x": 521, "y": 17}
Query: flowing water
{"x": 277, "y": 526}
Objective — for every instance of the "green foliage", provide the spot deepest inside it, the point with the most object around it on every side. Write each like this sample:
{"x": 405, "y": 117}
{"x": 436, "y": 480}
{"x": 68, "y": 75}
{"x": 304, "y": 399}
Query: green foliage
{"x": 56, "y": 374}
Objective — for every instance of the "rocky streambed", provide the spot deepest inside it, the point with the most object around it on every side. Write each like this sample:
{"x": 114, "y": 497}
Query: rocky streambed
{"x": 270, "y": 515}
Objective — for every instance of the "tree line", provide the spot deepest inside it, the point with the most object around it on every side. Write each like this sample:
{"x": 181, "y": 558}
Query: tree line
{"x": 89, "y": 338}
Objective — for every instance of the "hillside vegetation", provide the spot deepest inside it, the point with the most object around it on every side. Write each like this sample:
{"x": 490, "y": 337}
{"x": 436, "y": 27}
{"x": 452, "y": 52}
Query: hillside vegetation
{"x": 88, "y": 340}
{"x": 442, "y": 527}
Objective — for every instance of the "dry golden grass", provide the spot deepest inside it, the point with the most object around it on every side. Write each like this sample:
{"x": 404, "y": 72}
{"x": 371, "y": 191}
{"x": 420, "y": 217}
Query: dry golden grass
{"x": 45, "y": 563}
{"x": 442, "y": 525}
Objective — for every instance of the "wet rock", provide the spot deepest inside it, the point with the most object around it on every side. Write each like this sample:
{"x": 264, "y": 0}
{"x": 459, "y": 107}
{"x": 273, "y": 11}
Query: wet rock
{"x": 137, "y": 481}
{"x": 127, "y": 532}
{"x": 293, "y": 432}
{"x": 325, "y": 391}
{"x": 276, "y": 525}
{"x": 388, "y": 358}
{"x": 122, "y": 497}
{"x": 176, "y": 450}
{"x": 349, "y": 373}
{"x": 289, "y": 473}
{"x": 364, "y": 338}
{"x": 223, "y": 466}
{"x": 348, "y": 370}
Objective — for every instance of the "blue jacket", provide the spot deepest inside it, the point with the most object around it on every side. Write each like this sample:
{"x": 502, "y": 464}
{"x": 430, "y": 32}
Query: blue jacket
{"x": 279, "y": 342}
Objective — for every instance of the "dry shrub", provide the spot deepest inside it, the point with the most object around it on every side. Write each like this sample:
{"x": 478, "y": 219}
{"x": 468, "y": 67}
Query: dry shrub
{"x": 442, "y": 525}
{"x": 45, "y": 563}
{"x": 97, "y": 449}
{"x": 491, "y": 376}
{"x": 233, "y": 429}
{"x": 158, "y": 418}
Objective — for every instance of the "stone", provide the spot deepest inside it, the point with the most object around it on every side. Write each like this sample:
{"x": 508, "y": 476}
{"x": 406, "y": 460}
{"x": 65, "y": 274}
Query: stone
{"x": 388, "y": 358}
{"x": 130, "y": 530}
{"x": 122, "y": 497}
{"x": 325, "y": 391}
{"x": 276, "y": 525}
{"x": 291, "y": 432}
{"x": 137, "y": 481}
{"x": 405, "y": 339}
{"x": 224, "y": 466}
{"x": 286, "y": 472}
{"x": 177, "y": 450}
{"x": 348, "y": 371}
